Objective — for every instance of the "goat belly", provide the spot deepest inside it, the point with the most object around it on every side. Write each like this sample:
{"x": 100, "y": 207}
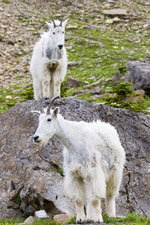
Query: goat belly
{"x": 79, "y": 171}
{"x": 93, "y": 176}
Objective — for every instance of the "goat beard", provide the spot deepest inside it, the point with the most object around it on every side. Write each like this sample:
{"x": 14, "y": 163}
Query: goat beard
{"x": 59, "y": 53}
{"x": 54, "y": 53}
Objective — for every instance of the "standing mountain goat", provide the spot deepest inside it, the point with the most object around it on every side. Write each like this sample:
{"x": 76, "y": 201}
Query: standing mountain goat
{"x": 93, "y": 161}
{"x": 49, "y": 61}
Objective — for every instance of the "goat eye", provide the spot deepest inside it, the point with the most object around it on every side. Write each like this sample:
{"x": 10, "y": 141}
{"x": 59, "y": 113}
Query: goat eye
{"x": 63, "y": 32}
{"x": 53, "y": 32}
{"x": 49, "y": 119}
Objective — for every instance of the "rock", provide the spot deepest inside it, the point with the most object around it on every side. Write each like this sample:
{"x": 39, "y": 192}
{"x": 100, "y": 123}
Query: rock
{"x": 80, "y": 93}
{"x": 72, "y": 26}
{"x": 40, "y": 187}
{"x": 147, "y": 26}
{"x": 116, "y": 12}
{"x": 107, "y": 5}
{"x": 96, "y": 90}
{"x": 71, "y": 82}
{"x": 2, "y": 38}
{"x": 62, "y": 218}
{"x": 109, "y": 21}
{"x": 10, "y": 42}
{"x": 13, "y": 205}
{"x": 29, "y": 220}
{"x": 138, "y": 73}
{"x": 8, "y": 96}
{"x": 116, "y": 19}
{"x": 30, "y": 175}
{"x": 41, "y": 214}
{"x": 68, "y": 47}
{"x": 73, "y": 63}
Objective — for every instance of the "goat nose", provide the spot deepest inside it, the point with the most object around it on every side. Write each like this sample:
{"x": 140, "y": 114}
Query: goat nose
{"x": 60, "y": 46}
{"x": 36, "y": 138}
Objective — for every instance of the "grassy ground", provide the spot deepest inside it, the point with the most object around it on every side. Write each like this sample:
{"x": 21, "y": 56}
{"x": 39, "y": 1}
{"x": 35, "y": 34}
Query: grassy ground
{"x": 100, "y": 49}
{"x": 128, "y": 220}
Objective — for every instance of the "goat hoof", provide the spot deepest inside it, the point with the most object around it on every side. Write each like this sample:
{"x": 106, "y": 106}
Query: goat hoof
{"x": 92, "y": 222}
{"x": 97, "y": 222}
{"x": 80, "y": 222}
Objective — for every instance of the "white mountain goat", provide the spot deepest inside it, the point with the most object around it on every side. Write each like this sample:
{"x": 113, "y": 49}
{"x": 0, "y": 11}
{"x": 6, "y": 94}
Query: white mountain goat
{"x": 49, "y": 61}
{"x": 93, "y": 161}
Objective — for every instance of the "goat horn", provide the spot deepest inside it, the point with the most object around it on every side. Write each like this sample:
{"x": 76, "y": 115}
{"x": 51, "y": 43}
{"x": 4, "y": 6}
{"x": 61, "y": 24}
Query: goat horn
{"x": 49, "y": 107}
{"x": 42, "y": 110}
{"x": 61, "y": 20}
{"x": 53, "y": 21}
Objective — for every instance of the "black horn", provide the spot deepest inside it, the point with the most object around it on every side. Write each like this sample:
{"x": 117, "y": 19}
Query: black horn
{"x": 41, "y": 108}
{"x": 53, "y": 21}
{"x": 61, "y": 20}
{"x": 50, "y": 105}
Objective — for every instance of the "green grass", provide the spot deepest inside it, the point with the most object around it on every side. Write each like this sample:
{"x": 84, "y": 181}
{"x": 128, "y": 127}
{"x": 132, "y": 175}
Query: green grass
{"x": 124, "y": 96}
{"x": 100, "y": 54}
{"x": 58, "y": 169}
{"x": 10, "y": 221}
{"x": 6, "y": 1}
{"x": 45, "y": 222}
{"x": 130, "y": 219}
{"x": 13, "y": 95}
{"x": 36, "y": 222}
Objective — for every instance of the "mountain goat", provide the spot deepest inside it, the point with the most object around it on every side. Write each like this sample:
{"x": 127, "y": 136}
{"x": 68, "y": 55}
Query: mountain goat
{"x": 93, "y": 161}
{"x": 48, "y": 64}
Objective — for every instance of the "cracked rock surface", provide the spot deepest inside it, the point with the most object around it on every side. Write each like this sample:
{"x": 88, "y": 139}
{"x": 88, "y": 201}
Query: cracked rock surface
{"x": 30, "y": 178}
{"x": 138, "y": 73}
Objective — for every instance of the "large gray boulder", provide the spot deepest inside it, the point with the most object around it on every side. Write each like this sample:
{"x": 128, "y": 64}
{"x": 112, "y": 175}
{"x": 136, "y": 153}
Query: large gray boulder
{"x": 138, "y": 73}
{"x": 30, "y": 178}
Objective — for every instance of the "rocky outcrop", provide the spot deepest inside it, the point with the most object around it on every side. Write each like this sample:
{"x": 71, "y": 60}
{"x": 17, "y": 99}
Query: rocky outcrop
{"x": 116, "y": 12}
{"x": 71, "y": 82}
{"x": 138, "y": 73}
{"x": 30, "y": 176}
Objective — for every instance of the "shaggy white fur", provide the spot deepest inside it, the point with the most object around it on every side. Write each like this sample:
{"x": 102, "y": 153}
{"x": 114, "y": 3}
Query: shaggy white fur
{"x": 93, "y": 162}
{"x": 48, "y": 64}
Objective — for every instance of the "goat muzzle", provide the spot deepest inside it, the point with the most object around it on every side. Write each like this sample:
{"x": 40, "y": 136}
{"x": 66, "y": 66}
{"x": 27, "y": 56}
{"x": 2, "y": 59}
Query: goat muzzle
{"x": 36, "y": 139}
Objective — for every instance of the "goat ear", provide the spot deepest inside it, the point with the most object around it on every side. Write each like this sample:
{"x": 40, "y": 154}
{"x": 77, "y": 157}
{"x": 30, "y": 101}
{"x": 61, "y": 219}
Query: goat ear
{"x": 56, "y": 111}
{"x": 65, "y": 22}
{"x": 48, "y": 25}
{"x": 36, "y": 112}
